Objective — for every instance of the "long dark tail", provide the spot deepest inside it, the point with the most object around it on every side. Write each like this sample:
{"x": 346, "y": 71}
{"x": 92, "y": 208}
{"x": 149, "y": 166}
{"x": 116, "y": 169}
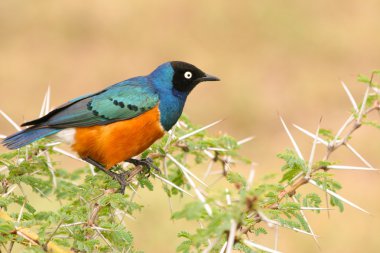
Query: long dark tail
{"x": 27, "y": 136}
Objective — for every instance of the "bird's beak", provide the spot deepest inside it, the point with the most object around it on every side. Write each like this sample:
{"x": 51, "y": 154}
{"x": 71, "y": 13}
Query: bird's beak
{"x": 208, "y": 78}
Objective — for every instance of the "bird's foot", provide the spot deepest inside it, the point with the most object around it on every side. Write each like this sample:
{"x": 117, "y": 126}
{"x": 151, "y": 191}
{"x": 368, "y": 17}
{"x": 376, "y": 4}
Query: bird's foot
{"x": 121, "y": 178}
{"x": 147, "y": 163}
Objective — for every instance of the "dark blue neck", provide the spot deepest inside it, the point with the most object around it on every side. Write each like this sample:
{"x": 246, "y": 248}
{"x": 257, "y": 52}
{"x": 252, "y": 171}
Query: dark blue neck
{"x": 170, "y": 110}
{"x": 171, "y": 100}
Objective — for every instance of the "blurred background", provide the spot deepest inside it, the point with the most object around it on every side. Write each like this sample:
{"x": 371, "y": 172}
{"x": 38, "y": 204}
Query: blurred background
{"x": 274, "y": 57}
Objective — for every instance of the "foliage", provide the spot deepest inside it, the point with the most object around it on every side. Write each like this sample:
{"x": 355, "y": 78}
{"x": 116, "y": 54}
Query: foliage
{"x": 90, "y": 211}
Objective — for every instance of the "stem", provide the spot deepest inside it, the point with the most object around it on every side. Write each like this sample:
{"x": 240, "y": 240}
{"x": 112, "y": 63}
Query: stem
{"x": 32, "y": 237}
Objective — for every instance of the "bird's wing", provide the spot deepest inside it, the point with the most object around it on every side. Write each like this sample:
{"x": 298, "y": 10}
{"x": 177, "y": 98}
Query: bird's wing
{"x": 119, "y": 102}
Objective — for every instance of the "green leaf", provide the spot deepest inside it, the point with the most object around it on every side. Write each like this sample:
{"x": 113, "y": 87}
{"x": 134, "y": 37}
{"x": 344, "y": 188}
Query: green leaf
{"x": 243, "y": 248}
{"x": 236, "y": 178}
{"x": 6, "y": 226}
{"x": 184, "y": 247}
{"x": 363, "y": 79}
{"x": 191, "y": 211}
{"x": 336, "y": 202}
{"x": 327, "y": 134}
{"x": 371, "y": 123}
{"x": 293, "y": 165}
{"x": 145, "y": 182}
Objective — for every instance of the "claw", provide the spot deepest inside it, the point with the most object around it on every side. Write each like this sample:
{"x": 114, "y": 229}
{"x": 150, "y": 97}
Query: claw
{"x": 121, "y": 178}
{"x": 147, "y": 163}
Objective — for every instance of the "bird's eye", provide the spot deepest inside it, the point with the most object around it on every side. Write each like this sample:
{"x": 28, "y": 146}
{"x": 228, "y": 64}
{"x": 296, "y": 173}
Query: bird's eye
{"x": 188, "y": 74}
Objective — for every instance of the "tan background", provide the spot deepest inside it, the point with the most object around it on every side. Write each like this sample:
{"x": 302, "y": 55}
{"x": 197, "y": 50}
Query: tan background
{"x": 272, "y": 56}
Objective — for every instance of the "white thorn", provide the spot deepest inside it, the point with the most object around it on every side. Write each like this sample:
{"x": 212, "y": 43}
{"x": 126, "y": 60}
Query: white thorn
{"x": 73, "y": 224}
{"x": 209, "y": 168}
{"x": 350, "y": 96}
{"x": 209, "y": 154}
{"x": 231, "y": 236}
{"x": 344, "y": 167}
{"x": 251, "y": 176}
{"x": 18, "y": 128}
{"x": 363, "y": 104}
{"x": 202, "y": 199}
{"x": 358, "y": 155}
{"x": 51, "y": 169}
{"x": 223, "y": 248}
{"x": 21, "y": 212}
{"x": 183, "y": 168}
{"x": 337, "y": 196}
{"x": 307, "y": 222}
{"x": 210, "y": 246}
{"x": 301, "y": 231}
{"x": 228, "y": 197}
{"x": 345, "y": 124}
{"x": 53, "y": 144}
{"x": 172, "y": 184}
{"x": 191, "y": 182}
{"x": 312, "y": 153}
{"x": 320, "y": 140}
{"x": 316, "y": 208}
{"x": 47, "y": 104}
{"x": 198, "y": 130}
{"x": 217, "y": 149}
{"x": 273, "y": 222}
{"x": 42, "y": 111}
{"x": 276, "y": 236}
{"x": 292, "y": 139}
{"x": 245, "y": 140}
{"x": 92, "y": 169}
{"x": 64, "y": 152}
{"x": 10, "y": 190}
{"x": 260, "y": 247}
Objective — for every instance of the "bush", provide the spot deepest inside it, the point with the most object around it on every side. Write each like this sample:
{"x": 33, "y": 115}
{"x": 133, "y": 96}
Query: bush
{"x": 89, "y": 211}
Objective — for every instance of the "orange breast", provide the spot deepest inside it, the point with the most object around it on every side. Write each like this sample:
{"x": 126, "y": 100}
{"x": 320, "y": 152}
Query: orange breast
{"x": 119, "y": 141}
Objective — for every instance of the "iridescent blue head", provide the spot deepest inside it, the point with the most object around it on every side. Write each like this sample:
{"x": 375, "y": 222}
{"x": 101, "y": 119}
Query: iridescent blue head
{"x": 174, "y": 81}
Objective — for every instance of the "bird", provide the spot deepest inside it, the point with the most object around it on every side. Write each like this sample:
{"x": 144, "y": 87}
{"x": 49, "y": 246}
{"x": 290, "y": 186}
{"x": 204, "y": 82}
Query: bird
{"x": 119, "y": 122}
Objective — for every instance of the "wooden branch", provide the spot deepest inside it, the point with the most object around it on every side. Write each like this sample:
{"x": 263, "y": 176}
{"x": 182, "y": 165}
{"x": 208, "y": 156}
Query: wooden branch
{"x": 303, "y": 179}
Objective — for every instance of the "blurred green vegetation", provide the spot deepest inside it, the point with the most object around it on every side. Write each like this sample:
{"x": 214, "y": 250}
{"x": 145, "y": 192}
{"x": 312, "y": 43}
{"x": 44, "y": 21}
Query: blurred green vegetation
{"x": 286, "y": 57}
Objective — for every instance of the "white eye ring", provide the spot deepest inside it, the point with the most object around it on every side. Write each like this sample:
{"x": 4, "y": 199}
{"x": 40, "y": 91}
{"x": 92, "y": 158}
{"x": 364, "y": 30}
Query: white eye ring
{"x": 188, "y": 74}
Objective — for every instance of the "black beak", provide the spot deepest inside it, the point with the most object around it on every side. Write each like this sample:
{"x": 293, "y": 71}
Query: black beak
{"x": 208, "y": 78}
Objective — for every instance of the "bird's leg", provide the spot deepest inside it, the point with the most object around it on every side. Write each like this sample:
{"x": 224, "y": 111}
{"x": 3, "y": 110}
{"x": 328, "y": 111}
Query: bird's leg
{"x": 120, "y": 178}
{"x": 147, "y": 163}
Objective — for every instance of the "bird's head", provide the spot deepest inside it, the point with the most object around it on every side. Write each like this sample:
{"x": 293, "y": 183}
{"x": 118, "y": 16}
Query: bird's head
{"x": 180, "y": 76}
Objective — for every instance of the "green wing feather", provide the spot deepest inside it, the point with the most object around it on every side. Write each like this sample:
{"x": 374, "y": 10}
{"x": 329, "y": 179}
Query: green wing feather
{"x": 119, "y": 102}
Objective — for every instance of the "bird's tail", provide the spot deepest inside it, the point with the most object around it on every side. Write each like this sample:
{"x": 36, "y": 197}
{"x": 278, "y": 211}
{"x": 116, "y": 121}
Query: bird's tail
{"x": 27, "y": 136}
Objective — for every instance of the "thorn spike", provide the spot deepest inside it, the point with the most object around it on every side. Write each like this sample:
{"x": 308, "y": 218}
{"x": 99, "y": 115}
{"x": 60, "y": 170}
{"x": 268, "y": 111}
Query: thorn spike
{"x": 292, "y": 139}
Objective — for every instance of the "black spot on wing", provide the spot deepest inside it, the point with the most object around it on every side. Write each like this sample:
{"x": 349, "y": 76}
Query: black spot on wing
{"x": 117, "y": 103}
{"x": 89, "y": 106}
{"x": 104, "y": 117}
{"x": 95, "y": 112}
{"x": 132, "y": 107}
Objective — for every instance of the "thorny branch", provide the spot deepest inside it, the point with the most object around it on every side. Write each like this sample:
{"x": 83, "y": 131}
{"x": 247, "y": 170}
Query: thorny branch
{"x": 216, "y": 155}
{"x": 332, "y": 146}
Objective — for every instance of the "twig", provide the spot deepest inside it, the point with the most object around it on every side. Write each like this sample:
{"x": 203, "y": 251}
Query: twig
{"x": 32, "y": 237}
